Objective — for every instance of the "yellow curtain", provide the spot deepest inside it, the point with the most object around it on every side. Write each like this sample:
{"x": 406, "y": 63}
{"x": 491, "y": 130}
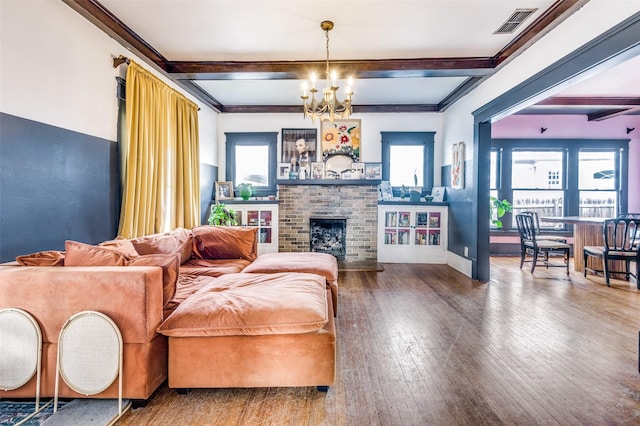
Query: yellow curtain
{"x": 162, "y": 143}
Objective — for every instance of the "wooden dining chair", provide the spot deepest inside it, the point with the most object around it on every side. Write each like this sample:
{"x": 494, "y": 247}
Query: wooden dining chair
{"x": 539, "y": 235}
{"x": 629, "y": 215}
{"x": 540, "y": 250}
{"x": 621, "y": 242}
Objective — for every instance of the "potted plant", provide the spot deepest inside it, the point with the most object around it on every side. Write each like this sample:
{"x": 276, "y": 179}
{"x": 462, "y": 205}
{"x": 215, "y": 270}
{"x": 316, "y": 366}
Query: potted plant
{"x": 498, "y": 208}
{"x": 221, "y": 215}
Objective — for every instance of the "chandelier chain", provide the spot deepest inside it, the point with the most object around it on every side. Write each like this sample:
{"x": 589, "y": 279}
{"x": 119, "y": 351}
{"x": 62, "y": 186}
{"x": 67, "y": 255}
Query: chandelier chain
{"x": 326, "y": 36}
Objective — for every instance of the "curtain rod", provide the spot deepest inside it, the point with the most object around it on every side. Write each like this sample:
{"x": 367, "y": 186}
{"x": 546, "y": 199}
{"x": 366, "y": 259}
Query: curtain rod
{"x": 120, "y": 60}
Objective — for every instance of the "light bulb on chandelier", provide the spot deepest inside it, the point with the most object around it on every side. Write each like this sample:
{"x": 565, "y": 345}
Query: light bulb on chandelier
{"x": 328, "y": 107}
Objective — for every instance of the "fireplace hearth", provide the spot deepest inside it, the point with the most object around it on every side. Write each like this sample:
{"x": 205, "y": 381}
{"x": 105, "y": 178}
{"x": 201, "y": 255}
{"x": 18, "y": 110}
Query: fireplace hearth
{"x": 328, "y": 235}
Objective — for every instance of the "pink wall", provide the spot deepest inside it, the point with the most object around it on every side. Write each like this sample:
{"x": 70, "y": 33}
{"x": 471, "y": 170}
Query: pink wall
{"x": 577, "y": 126}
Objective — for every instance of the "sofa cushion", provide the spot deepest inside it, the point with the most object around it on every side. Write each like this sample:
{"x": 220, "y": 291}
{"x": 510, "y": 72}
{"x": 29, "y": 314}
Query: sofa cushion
{"x": 213, "y": 267}
{"x": 315, "y": 263}
{"x": 225, "y": 242}
{"x": 187, "y": 285}
{"x": 121, "y": 245}
{"x": 176, "y": 241}
{"x": 170, "y": 264}
{"x": 80, "y": 254}
{"x": 252, "y": 304}
{"x": 42, "y": 258}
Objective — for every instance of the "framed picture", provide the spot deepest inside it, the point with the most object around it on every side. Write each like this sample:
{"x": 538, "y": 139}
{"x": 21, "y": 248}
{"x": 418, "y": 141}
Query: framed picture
{"x": 372, "y": 170}
{"x": 457, "y": 166}
{"x": 342, "y": 137}
{"x": 299, "y": 147}
{"x": 386, "y": 192}
{"x": 283, "y": 170}
{"x": 438, "y": 194}
{"x": 224, "y": 190}
{"x": 358, "y": 170}
{"x": 317, "y": 170}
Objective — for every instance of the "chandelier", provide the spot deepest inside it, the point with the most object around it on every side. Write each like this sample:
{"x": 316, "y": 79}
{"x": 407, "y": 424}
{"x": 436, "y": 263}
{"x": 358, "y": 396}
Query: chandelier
{"x": 328, "y": 107}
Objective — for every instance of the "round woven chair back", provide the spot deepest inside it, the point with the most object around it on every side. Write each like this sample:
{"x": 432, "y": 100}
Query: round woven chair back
{"x": 89, "y": 354}
{"x": 20, "y": 350}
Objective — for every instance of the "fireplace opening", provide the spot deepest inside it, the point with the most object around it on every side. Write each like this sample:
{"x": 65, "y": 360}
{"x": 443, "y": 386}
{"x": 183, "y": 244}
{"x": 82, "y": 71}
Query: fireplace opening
{"x": 328, "y": 235}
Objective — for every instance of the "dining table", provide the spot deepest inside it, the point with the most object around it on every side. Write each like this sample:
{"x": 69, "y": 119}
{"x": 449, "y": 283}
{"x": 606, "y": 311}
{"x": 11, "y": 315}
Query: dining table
{"x": 587, "y": 231}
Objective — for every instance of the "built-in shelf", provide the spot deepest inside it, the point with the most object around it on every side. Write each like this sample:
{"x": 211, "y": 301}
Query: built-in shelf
{"x": 249, "y": 201}
{"x": 411, "y": 203}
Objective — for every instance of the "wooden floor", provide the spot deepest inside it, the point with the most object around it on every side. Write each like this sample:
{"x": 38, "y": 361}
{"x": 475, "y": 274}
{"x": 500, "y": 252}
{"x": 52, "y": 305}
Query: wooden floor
{"x": 425, "y": 345}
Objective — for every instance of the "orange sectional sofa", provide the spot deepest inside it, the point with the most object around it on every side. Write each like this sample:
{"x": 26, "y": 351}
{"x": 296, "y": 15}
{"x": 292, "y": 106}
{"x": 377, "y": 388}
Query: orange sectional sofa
{"x": 195, "y": 306}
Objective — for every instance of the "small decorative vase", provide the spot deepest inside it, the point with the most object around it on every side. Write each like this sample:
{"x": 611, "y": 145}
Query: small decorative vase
{"x": 245, "y": 191}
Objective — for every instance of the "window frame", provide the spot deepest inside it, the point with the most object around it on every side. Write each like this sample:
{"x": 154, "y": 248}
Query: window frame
{"x": 427, "y": 139}
{"x": 572, "y": 148}
{"x": 268, "y": 139}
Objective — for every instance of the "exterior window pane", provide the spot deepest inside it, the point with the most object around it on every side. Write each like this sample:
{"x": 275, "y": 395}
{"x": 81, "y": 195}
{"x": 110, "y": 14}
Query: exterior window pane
{"x": 598, "y": 203}
{"x": 251, "y": 165}
{"x": 545, "y": 203}
{"x": 494, "y": 171}
{"x": 596, "y": 170}
{"x": 537, "y": 169}
{"x": 404, "y": 161}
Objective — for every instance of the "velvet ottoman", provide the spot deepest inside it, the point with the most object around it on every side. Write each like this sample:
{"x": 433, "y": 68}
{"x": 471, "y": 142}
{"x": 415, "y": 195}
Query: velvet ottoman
{"x": 253, "y": 330}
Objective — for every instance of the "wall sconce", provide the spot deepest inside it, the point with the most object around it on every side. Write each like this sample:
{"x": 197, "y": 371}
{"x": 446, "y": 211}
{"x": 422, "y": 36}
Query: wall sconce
{"x": 542, "y": 130}
{"x": 630, "y": 129}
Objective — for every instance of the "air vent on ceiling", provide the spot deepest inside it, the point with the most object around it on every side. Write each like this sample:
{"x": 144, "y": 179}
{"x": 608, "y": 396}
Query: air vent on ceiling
{"x": 514, "y": 21}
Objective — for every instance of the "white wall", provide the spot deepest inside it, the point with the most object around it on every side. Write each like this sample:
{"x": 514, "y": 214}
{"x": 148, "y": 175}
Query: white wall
{"x": 593, "y": 19}
{"x": 56, "y": 68}
{"x": 372, "y": 125}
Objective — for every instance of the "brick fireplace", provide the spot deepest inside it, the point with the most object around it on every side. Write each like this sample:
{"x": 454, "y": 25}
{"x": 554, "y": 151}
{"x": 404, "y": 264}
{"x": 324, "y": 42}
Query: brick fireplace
{"x": 357, "y": 203}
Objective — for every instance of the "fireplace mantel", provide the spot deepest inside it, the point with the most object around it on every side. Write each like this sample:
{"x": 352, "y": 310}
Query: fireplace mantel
{"x": 328, "y": 182}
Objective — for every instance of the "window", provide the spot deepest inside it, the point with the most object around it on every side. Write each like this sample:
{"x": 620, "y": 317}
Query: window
{"x": 405, "y": 154}
{"x": 532, "y": 188}
{"x": 597, "y": 183}
{"x": 251, "y": 158}
{"x": 562, "y": 177}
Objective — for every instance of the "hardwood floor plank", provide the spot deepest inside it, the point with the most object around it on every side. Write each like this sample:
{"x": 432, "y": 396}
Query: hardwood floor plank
{"x": 424, "y": 344}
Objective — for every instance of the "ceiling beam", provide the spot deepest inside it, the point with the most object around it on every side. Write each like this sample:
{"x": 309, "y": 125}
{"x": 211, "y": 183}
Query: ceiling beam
{"x": 374, "y": 68}
{"x": 610, "y": 113}
{"x": 611, "y": 101}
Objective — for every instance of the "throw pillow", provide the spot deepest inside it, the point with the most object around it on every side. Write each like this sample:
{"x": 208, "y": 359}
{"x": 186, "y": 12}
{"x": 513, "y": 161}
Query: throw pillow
{"x": 121, "y": 245}
{"x": 80, "y": 254}
{"x": 176, "y": 241}
{"x": 225, "y": 242}
{"x": 42, "y": 258}
{"x": 170, "y": 264}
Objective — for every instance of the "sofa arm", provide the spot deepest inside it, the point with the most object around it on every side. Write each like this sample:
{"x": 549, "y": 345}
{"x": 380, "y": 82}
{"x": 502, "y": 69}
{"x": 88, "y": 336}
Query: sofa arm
{"x": 131, "y": 296}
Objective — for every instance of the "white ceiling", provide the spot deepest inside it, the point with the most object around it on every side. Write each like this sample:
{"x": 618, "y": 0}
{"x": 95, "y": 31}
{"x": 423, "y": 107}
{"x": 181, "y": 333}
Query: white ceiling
{"x": 288, "y": 31}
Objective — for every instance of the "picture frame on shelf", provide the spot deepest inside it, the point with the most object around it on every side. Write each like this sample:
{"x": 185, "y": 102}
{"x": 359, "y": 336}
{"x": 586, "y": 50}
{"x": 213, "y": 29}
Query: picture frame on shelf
{"x": 357, "y": 170}
{"x": 437, "y": 192}
{"x": 283, "y": 170}
{"x": 386, "y": 193}
{"x": 372, "y": 170}
{"x": 224, "y": 190}
{"x": 317, "y": 170}
{"x": 299, "y": 147}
